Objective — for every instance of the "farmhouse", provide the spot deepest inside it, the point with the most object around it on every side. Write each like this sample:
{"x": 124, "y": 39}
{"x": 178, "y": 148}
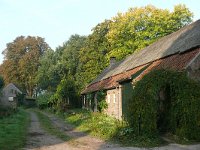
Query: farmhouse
{"x": 179, "y": 51}
{"x": 9, "y": 96}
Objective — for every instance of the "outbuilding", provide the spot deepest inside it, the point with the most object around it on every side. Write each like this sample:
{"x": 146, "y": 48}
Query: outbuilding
{"x": 179, "y": 51}
{"x": 9, "y": 96}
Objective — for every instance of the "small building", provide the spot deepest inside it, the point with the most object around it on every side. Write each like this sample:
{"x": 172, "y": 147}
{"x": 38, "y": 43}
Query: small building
{"x": 9, "y": 96}
{"x": 179, "y": 51}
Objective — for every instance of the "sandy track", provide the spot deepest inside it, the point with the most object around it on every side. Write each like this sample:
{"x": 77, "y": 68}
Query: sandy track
{"x": 38, "y": 139}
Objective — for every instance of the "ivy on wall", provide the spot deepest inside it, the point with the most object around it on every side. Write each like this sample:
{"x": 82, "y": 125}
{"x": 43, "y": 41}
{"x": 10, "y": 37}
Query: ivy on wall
{"x": 101, "y": 100}
{"x": 166, "y": 101}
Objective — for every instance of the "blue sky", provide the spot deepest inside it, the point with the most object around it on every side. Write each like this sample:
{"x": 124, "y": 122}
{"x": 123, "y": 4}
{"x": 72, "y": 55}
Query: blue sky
{"x": 57, "y": 20}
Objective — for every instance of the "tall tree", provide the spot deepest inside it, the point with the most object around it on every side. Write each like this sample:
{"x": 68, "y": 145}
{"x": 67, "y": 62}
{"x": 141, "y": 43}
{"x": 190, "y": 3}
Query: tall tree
{"x": 139, "y": 27}
{"x": 92, "y": 54}
{"x": 59, "y": 64}
{"x": 70, "y": 56}
{"x": 49, "y": 74}
{"x": 22, "y": 61}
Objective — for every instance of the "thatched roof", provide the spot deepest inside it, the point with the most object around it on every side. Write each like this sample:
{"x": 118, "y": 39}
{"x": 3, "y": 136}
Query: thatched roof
{"x": 180, "y": 41}
{"x": 176, "y": 62}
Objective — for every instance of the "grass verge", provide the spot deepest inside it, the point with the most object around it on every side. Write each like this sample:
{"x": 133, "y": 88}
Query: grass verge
{"x": 108, "y": 128}
{"x": 96, "y": 124}
{"x": 13, "y": 130}
{"x": 48, "y": 126}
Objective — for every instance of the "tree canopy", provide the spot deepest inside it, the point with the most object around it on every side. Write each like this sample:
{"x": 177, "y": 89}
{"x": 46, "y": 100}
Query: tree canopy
{"x": 22, "y": 61}
{"x": 139, "y": 27}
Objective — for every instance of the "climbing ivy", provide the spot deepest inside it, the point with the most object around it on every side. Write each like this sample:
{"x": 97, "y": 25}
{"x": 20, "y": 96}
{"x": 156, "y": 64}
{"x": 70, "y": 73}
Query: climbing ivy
{"x": 166, "y": 101}
{"x": 101, "y": 98}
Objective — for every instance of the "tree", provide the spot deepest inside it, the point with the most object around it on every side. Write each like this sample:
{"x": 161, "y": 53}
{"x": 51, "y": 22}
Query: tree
{"x": 57, "y": 65}
{"x": 139, "y": 27}
{"x": 49, "y": 73}
{"x": 92, "y": 55}
{"x": 66, "y": 93}
{"x": 70, "y": 56}
{"x": 9, "y": 72}
{"x": 22, "y": 61}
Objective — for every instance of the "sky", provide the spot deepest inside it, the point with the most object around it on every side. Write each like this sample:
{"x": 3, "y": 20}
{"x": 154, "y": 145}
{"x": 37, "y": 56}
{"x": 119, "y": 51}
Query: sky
{"x": 57, "y": 20}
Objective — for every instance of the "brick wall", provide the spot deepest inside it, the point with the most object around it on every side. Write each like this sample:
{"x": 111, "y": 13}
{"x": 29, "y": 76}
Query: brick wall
{"x": 113, "y": 98}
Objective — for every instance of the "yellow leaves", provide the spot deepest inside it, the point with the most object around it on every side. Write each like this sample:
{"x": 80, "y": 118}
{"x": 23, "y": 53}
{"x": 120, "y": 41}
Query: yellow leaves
{"x": 142, "y": 26}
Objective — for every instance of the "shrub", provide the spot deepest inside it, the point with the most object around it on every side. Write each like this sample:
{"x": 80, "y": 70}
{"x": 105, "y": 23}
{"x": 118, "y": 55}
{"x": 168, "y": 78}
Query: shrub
{"x": 6, "y": 111}
{"x": 97, "y": 124}
{"x": 149, "y": 113}
{"x": 43, "y": 100}
{"x": 101, "y": 98}
{"x": 102, "y": 105}
{"x": 66, "y": 94}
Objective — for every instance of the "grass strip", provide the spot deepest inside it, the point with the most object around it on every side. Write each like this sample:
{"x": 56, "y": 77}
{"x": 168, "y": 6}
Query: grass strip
{"x": 13, "y": 130}
{"x": 108, "y": 128}
{"x": 50, "y": 128}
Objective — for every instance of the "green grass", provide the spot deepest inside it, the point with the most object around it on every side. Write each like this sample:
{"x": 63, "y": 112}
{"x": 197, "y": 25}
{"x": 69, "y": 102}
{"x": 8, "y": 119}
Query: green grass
{"x": 13, "y": 130}
{"x": 96, "y": 124}
{"x": 108, "y": 128}
{"x": 48, "y": 126}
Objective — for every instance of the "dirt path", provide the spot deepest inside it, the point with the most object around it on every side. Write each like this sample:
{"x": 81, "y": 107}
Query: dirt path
{"x": 41, "y": 140}
{"x": 38, "y": 139}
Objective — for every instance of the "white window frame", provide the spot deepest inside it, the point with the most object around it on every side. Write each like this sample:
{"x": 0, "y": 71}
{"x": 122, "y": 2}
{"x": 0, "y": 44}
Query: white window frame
{"x": 114, "y": 98}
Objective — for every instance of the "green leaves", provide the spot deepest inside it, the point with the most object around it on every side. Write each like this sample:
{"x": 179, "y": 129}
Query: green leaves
{"x": 92, "y": 54}
{"x": 22, "y": 61}
{"x": 172, "y": 96}
{"x": 48, "y": 75}
{"x": 139, "y": 27}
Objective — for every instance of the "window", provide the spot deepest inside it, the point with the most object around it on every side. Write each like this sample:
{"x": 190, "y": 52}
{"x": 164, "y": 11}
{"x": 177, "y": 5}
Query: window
{"x": 108, "y": 98}
{"x": 114, "y": 98}
{"x": 10, "y": 99}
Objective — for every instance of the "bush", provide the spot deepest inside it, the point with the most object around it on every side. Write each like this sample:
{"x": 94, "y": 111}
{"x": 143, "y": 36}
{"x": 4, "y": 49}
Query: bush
{"x": 109, "y": 128}
{"x": 66, "y": 94}
{"x": 101, "y": 98}
{"x": 6, "y": 111}
{"x": 43, "y": 100}
{"x": 97, "y": 124}
{"x": 178, "y": 112}
{"x": 102, "y": 105}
